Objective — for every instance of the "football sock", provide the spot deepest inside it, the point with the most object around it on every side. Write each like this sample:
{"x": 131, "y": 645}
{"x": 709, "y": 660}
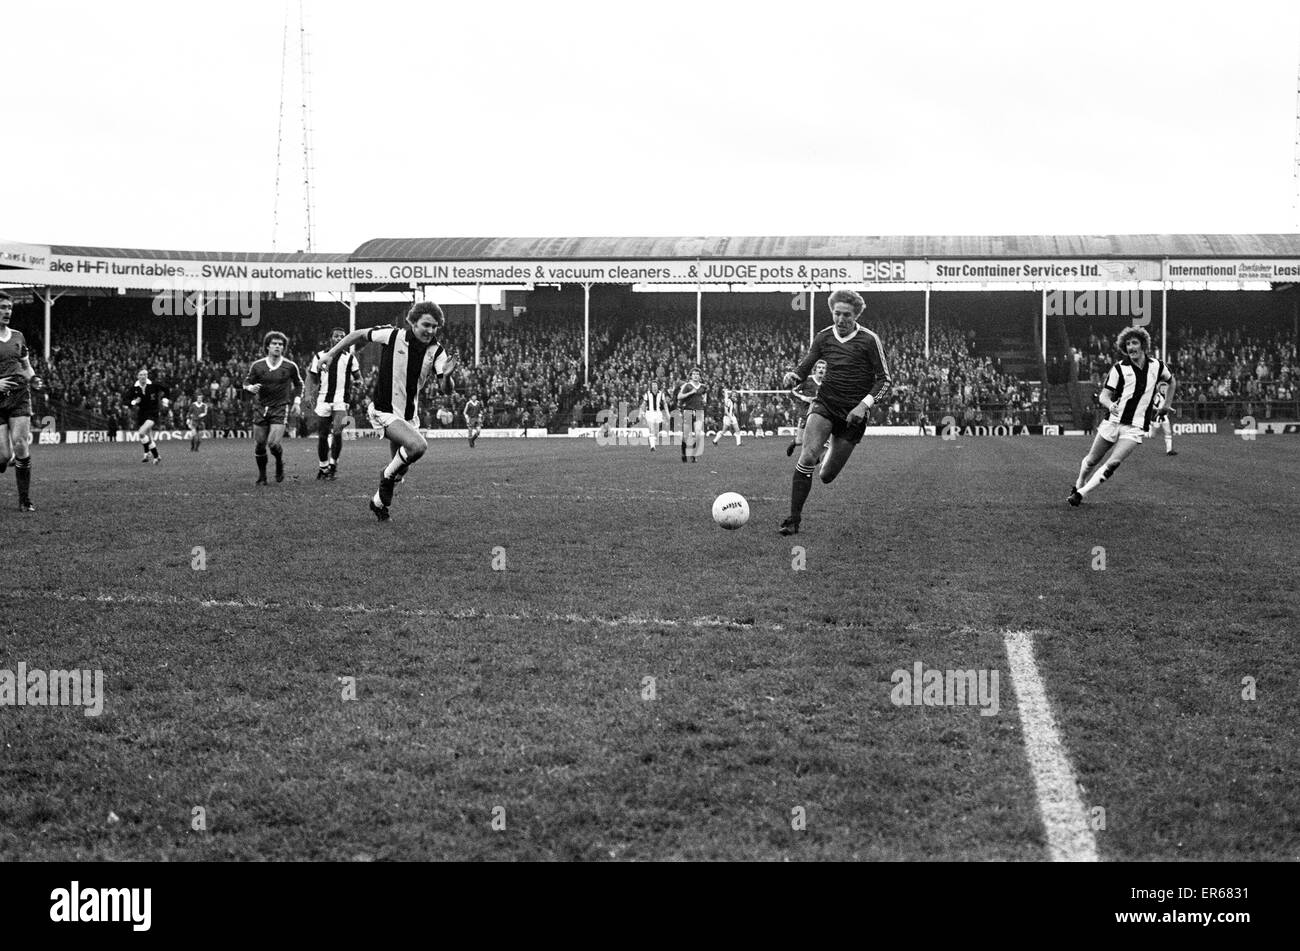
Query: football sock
{"x": 323, "y": 442}
{"x": 153, "y": 448}
{"x": 737, "y": 439}
{"x": 259, "y": 454}
{"x": 23, "y": 474}
{"x": 1084, "y": 466}
{"x": 800, "y": 486}
{"x": 1102, "y": 474}
{"x": 1169, "y": 437}
{"x": 399, "y": 464}
{"x": 336, "y": 448}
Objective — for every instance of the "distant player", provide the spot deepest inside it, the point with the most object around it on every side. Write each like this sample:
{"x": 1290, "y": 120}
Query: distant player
{"x": 806, "y": 394}
{"x": 654, "y": 406}
{"x": 1163, "y": 409}
{"x": 1129, "y": 396}
{"x": 277, "y": 384}
{"x": 856, "y": 378}
{"x": 410, "y": 356}
{"x": 149, "y": 399}
{"x": 756, "y": 420}
{"x": 690, "y": 404}
{"x": 333, "y": 382}
{"x": 473, "y": 414}
{"x": 17, "y": 380}
{"x": 729, "y": 420}
{"x": 197, "y": 417}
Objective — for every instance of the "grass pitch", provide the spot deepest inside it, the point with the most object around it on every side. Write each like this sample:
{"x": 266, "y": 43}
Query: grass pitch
{"x": 636, "y": 683}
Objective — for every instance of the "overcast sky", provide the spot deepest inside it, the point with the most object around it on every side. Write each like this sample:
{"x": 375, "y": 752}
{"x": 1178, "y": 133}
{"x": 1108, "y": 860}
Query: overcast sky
{"x": 153, "y": 124}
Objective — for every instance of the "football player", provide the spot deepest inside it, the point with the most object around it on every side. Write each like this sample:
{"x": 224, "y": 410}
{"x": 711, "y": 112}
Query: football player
{"x": 473, "y": 418}
{"x": 1163, "y": 409}
{"x": 729, "y": 420}
{"x": 654, "y": 404}
{"x": 857, "y": 376}
{"x": 690, "y": 405}
{"x": 17, "y": 380}
{"x": 410, "y": 356}
{"x": 1129, "y": 395}
{"x": 333, "y": 381}
{"x": 197, "y": 416}
{"x": 149, "y": 399}
{"x": 806, "y": 394}
{"x": 276, "y": 382}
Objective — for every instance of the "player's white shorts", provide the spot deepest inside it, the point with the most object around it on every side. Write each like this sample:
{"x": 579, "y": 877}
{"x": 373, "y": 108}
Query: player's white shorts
{"x": 380, "y": 419}
{"x": 328, "y": 409}
{"x": 730, "y": 422}
{"x": 1112, "y": 431}
{"x": 653, "y": 419}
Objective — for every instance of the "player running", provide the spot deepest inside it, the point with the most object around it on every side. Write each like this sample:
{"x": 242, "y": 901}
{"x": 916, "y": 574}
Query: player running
{"x": 806, "y": 394}
{"x": 1133, "y": 381}
{"x": 149, "y": 399}
{"x": 690, "y": 404}
{"x": 729, "y": 420}
{"x": 332, "y": 382}
{"x": 17, "y": 380}
{"x": 410, "y": 356}
{"x": 473, "y": 414}
{"x": 197, "y": 417}
{"x": 276, "y": 382}
{"x": 856, "y": 377}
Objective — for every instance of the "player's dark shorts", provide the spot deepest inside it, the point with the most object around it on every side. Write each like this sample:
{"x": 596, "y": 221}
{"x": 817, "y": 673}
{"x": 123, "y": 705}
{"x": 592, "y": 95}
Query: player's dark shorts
{"x": 141, "y": 419}
{"x": 272, "y": 415}
{"x": 840, "y": 425}
{"x": 15, "y": 403}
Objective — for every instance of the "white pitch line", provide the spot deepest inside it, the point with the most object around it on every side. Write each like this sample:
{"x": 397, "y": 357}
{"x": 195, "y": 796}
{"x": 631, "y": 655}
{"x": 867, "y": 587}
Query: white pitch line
{"x": 1069, "y": 838}
{"x": 469, "y": 614}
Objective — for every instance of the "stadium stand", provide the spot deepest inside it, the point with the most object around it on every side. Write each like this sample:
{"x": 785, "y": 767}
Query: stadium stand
{"x": 530, "y": 372}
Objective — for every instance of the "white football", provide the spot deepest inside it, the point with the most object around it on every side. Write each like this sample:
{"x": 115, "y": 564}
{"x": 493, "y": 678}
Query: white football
{"x": 730, "y": 510}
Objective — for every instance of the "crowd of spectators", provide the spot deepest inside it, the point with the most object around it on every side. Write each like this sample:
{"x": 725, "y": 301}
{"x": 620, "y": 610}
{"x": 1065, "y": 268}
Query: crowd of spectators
{"x": 752, "y": 355}
{"x": 1221, "y": 373}
{"x": 531, "y": 370}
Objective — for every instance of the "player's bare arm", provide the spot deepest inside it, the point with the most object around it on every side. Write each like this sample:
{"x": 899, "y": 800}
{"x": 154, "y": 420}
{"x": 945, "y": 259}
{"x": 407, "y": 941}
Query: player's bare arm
{"x": 1169, "y": 396}
{"x": 352, "y": 339}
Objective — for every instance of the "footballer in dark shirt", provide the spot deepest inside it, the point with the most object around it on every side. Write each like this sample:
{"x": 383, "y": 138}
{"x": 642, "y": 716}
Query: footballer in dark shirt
{"x": 690, "y": 405}
{"x": 17, "y": 380}
{"x": 856, "y": 378}
{"x": 149, "y": 399}
{"x": 276, "y": 382}
{"x": 806, "y": 394}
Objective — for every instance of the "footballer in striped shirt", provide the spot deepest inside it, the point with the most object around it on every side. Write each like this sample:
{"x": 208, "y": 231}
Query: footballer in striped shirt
{"x": 332, "y": 383}
{"x": 857, "y": 377}
{"x": 1130, "y": 396}
{"x": 411, "y": 354}
{"x": 729, "y": 420}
